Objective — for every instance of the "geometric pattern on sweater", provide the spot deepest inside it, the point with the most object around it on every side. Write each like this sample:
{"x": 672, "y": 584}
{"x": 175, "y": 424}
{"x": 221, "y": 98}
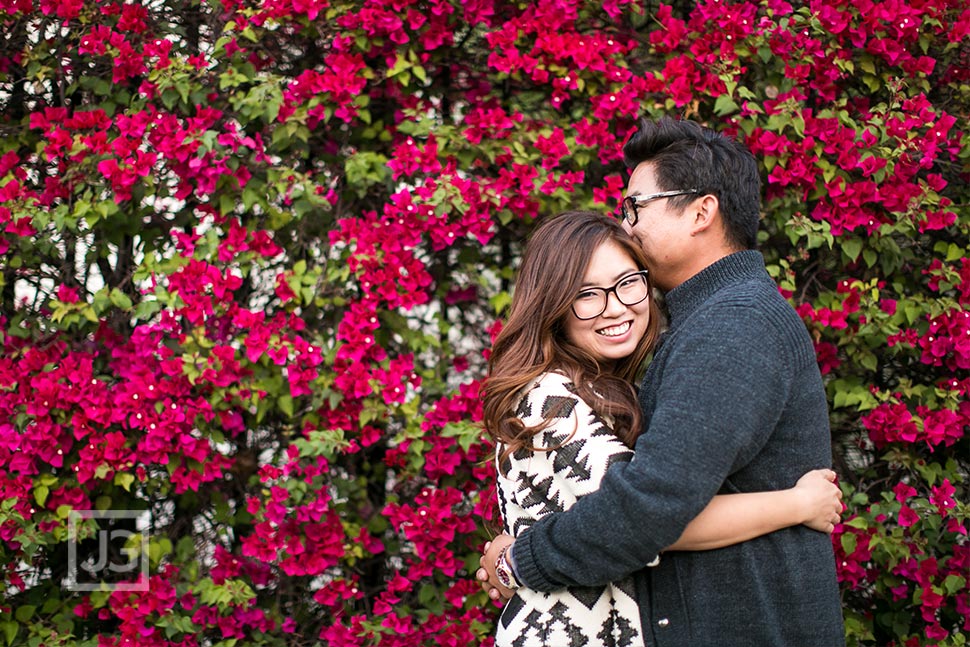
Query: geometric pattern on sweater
{"x": 573, "y": 453}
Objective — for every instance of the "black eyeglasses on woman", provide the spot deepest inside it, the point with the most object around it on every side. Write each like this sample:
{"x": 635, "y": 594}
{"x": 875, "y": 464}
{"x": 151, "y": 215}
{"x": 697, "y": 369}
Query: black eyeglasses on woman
{"x": 630, "y": 290}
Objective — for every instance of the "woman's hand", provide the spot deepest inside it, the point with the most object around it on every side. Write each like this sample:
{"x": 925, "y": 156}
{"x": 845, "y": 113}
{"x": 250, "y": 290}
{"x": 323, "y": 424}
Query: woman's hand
{"x": 819, "y": 499}
{"x": 486, "y": 574}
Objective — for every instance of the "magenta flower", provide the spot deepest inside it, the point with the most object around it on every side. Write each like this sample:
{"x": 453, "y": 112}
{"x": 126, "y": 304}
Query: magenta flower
{"x": 942, "y": 497}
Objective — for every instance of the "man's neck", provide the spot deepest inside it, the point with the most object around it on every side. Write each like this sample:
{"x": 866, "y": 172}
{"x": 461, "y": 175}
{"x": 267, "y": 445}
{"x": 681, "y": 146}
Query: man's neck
{"x": 697, "y": 264}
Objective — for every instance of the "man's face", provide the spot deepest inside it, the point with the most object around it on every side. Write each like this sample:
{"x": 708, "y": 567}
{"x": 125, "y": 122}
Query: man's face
{"x": 662, "y": 231}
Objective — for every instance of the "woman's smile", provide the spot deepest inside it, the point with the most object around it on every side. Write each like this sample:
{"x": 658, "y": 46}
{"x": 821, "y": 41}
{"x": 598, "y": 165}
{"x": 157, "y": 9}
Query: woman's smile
{"x": 617, "y": 330}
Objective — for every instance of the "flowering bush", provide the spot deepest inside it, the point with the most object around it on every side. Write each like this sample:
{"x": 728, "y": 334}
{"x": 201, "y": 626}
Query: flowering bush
{"x": 253, "y": 252}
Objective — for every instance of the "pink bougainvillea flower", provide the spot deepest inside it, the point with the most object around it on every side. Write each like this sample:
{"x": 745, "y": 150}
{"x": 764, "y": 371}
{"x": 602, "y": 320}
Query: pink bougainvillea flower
{"x": 904, "y": 492}
{"x": 907, "y": 516}
{"x": 942, "y": 497}
{"x": 67, "y": 294}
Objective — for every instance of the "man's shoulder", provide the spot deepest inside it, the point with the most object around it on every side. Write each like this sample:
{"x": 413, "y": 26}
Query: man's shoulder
{"x": 754, "y": 288}
{"x": 755, "y": 302}
{"x": 752, "y": 313}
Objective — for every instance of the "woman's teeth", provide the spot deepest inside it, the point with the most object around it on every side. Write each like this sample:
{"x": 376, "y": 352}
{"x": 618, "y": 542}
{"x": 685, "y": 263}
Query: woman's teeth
{"x": 615, "y": 331}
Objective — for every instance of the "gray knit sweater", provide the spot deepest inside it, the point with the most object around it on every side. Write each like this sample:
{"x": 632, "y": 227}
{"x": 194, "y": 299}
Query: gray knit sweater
{"x": 733, "y": 402}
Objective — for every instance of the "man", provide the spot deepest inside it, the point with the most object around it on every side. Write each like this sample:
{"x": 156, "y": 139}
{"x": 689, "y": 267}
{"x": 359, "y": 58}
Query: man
{"x": 733, "y": 402}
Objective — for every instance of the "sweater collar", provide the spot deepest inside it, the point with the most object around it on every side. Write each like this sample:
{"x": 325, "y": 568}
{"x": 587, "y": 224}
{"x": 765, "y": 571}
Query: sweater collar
{"x": 689, "y": 295}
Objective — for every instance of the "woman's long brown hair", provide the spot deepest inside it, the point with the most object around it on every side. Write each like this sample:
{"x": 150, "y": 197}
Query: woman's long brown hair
{"x": 533, "y": 340}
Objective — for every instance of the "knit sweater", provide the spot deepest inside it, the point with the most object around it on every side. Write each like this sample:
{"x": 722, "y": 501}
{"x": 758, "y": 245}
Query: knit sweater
{"x": 733, "y": 402}
{"x": 573, "y": 452}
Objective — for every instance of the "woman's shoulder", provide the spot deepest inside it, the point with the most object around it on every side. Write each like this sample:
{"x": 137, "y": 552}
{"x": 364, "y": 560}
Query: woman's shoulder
{"x": 554, "y": 381}
{"x": 550, "y": 394}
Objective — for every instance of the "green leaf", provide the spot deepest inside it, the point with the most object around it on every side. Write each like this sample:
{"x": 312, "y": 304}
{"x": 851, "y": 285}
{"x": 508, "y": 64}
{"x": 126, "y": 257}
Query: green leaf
{"x": 912, "y": 313}
{"x": 857, "y": 522}
{"x": 849, "y": 542}
{"x": 10, "y": 630}
{"x": 124, "y": 479}
{"x": 326, "y": 442}
{"x": 500, "y": 301}
{"x": 955, "y": 252}
{"x": 226, "y": 202}
{"x": 120, "y": 299}
{"x": 273, "y": 109}
{"x": 365, "y": 169}
{"x": 852, "y": 247}
{"x": 40, "y": 494}
{"x": 725, "y": 105}
{"x": 50, "y": 605}
{"x": 466, "y": 433}
{"x": 285, "y": 403}
{"x": 400, "y": 64}
{"x": 249, "y": 198}
{"x": 953, "y": 584}
{"x": 25, "y": 613}
{"x": 869, "y": 361}
{"x": 145, "y": 309}
{"x": 169, "y": 97}
{"x": 839, "y": 400}
{"x": 746, "y": 93}
{"x": 158, "y": 548}
{"x": 420, "y": 73}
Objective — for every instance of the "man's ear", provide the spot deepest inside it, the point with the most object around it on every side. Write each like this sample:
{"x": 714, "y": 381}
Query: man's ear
{"x": 706, "y": 211}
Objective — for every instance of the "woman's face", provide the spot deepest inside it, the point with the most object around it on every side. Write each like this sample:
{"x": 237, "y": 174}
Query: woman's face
{"x": 615, "y": 333}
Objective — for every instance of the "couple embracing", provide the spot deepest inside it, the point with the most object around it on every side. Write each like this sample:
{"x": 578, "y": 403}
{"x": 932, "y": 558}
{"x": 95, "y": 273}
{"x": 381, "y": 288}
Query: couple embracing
{"x": 695, "y": 511}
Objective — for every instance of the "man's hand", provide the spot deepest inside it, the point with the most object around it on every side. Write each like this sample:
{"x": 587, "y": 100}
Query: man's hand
{"x": 486, "y": 574}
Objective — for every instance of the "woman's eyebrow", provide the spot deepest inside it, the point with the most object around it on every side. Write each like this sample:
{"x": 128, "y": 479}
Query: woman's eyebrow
{"x": 616, "y": 278}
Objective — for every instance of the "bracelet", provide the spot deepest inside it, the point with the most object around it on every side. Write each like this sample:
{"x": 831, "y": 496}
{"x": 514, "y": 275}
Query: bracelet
{"x": 504, "y": 572}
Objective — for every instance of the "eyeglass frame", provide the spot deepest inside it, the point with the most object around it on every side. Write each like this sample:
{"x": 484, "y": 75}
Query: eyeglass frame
{"x": 635, "y": 200}
{"x": 606, "y": 294}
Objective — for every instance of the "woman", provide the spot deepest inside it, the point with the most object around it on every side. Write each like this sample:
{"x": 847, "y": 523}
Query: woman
{"x": 559, "y": 403}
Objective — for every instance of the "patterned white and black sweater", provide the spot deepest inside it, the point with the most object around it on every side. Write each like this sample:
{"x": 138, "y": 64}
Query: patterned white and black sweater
{"x": 532, "y": 484}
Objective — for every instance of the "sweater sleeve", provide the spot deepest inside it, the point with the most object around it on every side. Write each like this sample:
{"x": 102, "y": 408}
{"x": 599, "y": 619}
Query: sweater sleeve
{"x": 725, "y": 380}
